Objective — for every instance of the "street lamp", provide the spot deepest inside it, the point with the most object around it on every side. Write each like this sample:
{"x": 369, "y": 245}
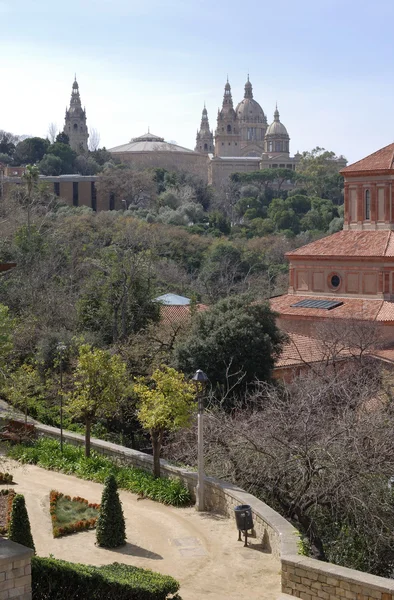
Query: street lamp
{"x": 61, "y": 349}
{"x": 200, "y": 379}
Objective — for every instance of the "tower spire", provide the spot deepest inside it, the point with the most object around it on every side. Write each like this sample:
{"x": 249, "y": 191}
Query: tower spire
{"x": 75, "y": 123}
{"x": 248, "y": 89}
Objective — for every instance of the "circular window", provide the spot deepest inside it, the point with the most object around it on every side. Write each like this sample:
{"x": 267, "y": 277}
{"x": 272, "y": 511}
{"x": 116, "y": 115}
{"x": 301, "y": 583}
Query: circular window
{"x": 335, "y": 281}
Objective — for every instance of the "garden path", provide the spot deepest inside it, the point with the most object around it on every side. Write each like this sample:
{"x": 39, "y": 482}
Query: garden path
{"x": 199, "y": 549}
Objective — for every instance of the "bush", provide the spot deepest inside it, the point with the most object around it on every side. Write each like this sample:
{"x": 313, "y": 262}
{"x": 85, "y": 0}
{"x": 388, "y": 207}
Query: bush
{"x": 19, "y": 530}
{"x": 46, "y": 453}
{"x": 57, "y": 579}
{"x": 111, "y": 529}
{"x": 6, "y": 478}
{"x": 4, "y": 527}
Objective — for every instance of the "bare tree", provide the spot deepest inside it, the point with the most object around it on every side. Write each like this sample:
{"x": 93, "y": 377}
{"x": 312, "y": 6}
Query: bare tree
{"x": 94, "y": 139}
{"x": 52, "y": 132}
{"x": 318, "y": 450}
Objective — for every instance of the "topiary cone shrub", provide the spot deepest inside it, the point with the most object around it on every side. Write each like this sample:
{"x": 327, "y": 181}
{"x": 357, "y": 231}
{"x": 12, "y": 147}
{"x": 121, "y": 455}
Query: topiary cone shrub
{"x": 110, "y": 529}
{"x": 19, "y": 530}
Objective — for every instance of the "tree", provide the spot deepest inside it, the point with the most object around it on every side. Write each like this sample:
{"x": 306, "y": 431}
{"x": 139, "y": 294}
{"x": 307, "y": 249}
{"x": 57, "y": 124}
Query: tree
{"x": 30, "y": 151}
{"x": 65, "y": 153}
{"x": 52, "y": 132}
{"x": 50, "y": 165}
{"x": 319, "y": 450}
{"x": 110, "y": 528}
{"x": 94, "y": 139}
{"x": 19, "y": 529}
{"x": 100, "y": 383}
{"x": 62, "y": 138}
{"x": 30, "y": 178}
{"x": 129, "y": 187}
{"x": 320, "y": 171}
{"x": 8, "y": 142}
{"x": 6, "y": 328}
{"x": 235, "y": 343}
{"x": 86, "y": 165}
{"x": 168, "y": 404}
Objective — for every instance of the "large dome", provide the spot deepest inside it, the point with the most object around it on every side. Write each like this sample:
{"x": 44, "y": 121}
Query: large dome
{"x": 248, "y": 110}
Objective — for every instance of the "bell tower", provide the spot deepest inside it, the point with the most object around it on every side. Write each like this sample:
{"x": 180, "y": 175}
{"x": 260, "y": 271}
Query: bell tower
{"x": 75, "y": 122}
{"x": 227, "y": 136}
{"x": 204, "y": 139}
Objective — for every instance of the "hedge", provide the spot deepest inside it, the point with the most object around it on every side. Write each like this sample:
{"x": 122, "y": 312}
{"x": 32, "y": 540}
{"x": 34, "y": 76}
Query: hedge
{"x": 54, "y": 579}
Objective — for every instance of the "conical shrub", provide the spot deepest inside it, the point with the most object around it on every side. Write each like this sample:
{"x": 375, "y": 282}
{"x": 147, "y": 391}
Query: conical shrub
{"x": 110, "y": 529}
{"x": 19, "y": 530}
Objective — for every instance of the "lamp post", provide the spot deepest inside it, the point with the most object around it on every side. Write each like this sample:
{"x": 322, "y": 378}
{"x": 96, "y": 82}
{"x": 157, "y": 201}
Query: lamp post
{"x": 61, "y": 349}
{"x": 200, "y": 379}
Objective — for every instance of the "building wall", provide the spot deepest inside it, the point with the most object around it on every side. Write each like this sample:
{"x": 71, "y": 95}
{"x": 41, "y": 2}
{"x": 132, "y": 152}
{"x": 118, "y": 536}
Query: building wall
{"x": 373, "y": 279}
{"x": 369, "y": 202}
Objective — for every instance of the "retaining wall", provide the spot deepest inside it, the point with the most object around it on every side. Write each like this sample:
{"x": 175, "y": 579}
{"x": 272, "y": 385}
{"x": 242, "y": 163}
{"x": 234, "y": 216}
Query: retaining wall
{"x": 302, "y": 577}
{"x": 15, "y": 571}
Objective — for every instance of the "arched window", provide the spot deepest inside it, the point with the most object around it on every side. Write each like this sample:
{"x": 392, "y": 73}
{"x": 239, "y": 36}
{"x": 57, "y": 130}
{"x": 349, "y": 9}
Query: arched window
{"x": 75, "y": 126}
{"x": 367, "y": 205}
{"x": 270, "y": 144}
{"x": 205, "y": 146}
{"x": 228, "y": 128}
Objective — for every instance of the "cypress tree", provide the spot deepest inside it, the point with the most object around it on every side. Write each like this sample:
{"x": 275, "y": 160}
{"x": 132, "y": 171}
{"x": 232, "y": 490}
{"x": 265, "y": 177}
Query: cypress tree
{"x": 110, "y": 529}
{"x": 19, "y": 530}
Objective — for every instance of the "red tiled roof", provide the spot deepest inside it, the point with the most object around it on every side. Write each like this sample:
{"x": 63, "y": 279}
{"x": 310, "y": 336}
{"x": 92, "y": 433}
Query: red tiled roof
{"x": 382, "y": 160}
{"x": 352, "y": 308}
{"x": 301, "y": 349}
{"x": 386, "y": 354}
{"x": 349, "y": 244}
{"x": 178, "y": 313}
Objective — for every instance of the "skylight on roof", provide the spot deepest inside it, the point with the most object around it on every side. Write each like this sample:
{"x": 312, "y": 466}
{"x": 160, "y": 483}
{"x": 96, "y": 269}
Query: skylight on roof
{"x": 314, "y": 303}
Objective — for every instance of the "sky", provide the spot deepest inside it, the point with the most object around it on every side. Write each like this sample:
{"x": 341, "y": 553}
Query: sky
{"x": 153, "y": 63}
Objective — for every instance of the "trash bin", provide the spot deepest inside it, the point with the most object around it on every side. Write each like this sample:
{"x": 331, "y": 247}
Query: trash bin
{"x": 243, "y": 517}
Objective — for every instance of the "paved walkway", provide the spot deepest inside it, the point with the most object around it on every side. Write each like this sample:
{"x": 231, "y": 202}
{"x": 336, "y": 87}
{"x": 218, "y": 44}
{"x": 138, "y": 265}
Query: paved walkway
{"x": 199, "y": 549}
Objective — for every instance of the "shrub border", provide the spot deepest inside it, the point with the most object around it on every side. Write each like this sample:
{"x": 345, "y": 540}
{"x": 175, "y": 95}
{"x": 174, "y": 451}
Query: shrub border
{"x": 11, "y": 495}
{"x": 81, "y": 525}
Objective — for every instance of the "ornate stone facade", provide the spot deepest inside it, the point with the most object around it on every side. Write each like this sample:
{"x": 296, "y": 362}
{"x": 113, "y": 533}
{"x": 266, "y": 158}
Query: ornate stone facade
{"x": 75, "y": 122}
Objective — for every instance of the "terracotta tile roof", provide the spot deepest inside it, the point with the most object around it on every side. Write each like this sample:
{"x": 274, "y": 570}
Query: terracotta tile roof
{"x": 352, "y": 308}
{"x": 349, "y": 244}
{"x": 301, "y": 349}
{"x": 382, "y": 160}
{"x": 387, "y": 354}
{"x": 178, "y": 313}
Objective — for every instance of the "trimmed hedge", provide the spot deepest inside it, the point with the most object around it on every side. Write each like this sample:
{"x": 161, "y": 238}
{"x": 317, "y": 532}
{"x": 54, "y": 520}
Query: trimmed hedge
{"x": 19, "y": 530}
{"x": 46, "y": 453}
{"x": 111, "y": 528}
{"x": 54, "y": 579}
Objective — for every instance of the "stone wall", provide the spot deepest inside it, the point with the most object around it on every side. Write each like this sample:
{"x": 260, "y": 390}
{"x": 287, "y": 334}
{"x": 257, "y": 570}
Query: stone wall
{"x": 302, "y": 577}
{"x": 15, "y": 571}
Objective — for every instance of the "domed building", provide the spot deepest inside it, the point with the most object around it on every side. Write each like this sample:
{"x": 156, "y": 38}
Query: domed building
{"x": 276, "y": 137}
{"x": 252, "y": 123}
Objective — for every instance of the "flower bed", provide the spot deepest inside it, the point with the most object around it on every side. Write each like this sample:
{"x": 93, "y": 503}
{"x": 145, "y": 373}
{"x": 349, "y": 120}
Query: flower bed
{"x": 6, "y": 500}
{"x": 59, "y": 526}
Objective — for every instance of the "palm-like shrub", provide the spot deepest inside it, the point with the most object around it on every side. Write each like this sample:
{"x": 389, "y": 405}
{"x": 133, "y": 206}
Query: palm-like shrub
{"x": 110, "y": 530}
{"x": 19, "y": 530}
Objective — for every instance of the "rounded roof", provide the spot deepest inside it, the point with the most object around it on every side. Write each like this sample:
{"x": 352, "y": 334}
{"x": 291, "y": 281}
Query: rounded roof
{"x": 276, "y": 128}
{"x": 149, "y": 143}
{"x": 250, "y": 111}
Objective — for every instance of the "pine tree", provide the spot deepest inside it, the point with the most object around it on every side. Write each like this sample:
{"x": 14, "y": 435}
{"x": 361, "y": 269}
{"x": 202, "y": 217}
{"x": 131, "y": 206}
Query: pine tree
{"x": 110, "y": 530}
{"x": 19, "y": 529}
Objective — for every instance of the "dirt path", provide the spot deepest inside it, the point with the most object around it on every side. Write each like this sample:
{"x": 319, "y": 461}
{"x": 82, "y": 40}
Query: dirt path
{"x": 199, "y": 550}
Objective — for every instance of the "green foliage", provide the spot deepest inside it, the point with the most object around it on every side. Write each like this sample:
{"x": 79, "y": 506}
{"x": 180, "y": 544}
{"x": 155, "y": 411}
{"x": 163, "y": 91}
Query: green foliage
{"x": 30, "y": 151}
{"x": 46, "y": 453}
{"x": 6, "y": 326}
{"x": 63, "y": 138}
{"x": 19, "y": 530}
{"x": 111, "y": 529}
{"x": 57, "y": 579}
{"x": 51, "y": 165}
{"x": 100, "y": 383}
{"x": 65, "y": 154}
{"x": 235, "y": 339}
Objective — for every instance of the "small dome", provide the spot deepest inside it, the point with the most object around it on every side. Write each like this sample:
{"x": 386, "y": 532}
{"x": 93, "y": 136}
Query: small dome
{"x": 276, "y": 128}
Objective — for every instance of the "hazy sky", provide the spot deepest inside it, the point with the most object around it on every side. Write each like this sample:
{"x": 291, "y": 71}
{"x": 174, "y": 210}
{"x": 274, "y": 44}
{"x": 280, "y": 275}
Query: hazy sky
{"x": 328, "y": 63}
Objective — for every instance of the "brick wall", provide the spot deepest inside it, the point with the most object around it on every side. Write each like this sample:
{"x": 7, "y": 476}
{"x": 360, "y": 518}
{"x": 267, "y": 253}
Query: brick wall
{"x": 15, "y": 571}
